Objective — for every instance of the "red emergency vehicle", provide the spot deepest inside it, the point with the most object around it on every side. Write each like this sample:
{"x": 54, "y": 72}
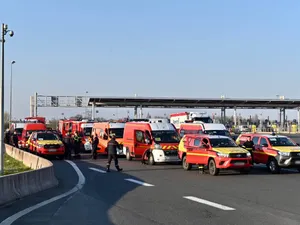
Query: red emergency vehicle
{"x": 46, "y": 143}
{"x": 213, "y": 152}
{"x": 27, "y": 130}
{"x": 161, "y": 138}
{"x": 64, "y": 126}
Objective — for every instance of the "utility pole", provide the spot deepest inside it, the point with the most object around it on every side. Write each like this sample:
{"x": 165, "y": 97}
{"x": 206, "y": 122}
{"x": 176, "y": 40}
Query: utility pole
{"x": 10, "y": 97}
{"x": 4, "y": 31}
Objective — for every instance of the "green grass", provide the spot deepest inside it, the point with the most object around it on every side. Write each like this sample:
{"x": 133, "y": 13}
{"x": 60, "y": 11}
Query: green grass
{"x": 12, "y": 166}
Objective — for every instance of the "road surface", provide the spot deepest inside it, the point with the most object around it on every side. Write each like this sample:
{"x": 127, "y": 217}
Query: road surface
{"x": 163, "y": 194}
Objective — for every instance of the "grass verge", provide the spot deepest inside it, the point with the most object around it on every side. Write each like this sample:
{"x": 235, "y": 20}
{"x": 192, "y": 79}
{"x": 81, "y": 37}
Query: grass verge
{"x": 12, "y": 165}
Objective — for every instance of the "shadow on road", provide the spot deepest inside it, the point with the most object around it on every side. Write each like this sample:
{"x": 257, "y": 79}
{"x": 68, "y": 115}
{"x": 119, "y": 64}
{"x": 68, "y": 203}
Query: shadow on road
{"x": 98, "y": 201}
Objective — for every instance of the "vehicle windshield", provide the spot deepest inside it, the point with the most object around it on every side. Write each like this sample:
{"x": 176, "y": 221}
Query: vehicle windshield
{"x": 19, "y": 131}
{"x": 118, "y": 132}
{"x": 165, "y": 136}
{"x": 87, "y": 131}
{"x": 222, "y": 142}
{"x": 47, "y": 136}
{"x": 218, "y": 132}
{"x": 281, "y": 141}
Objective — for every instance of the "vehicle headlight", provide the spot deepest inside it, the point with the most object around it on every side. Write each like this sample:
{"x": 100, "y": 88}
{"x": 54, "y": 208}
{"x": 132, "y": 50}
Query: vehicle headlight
{"x": 157, "y": 146}
{"x": 223, "y": 155}
{"x": 284, "y": 153}
{"x": 248, "y": 154}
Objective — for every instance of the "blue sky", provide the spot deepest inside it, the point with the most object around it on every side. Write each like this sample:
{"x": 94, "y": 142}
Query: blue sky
{"x": 170, "y": 48}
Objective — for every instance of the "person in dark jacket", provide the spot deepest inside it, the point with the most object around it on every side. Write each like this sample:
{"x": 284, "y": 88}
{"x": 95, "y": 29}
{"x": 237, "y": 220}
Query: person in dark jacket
{"x": 15, "y": 140}
{"x": 249, "y": 145}
{"x": 7, "y": 137}
{"x": 68, "y": 145}
{"x": 95, "y": 142}
{"x": 76, "y": 144}
{"x": 112, "y": 146}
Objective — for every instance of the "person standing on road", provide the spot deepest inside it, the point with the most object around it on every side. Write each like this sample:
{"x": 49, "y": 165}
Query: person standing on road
{"x": 95, "y": 142}
{"x": 249, "y": 145}
{"x": 67, "y": 142}
{"x": 76, "y": 142}
{"x": 7, "y": 137}
{"x": 15, "y": 140}
{"x": 112, "y": 146}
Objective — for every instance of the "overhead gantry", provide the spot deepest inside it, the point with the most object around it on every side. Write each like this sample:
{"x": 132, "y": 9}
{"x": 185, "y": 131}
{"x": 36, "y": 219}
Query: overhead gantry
{"x": 154, "y": 102}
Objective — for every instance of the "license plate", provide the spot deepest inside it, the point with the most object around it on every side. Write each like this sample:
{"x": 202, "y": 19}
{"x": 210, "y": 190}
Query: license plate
{"x": 52, "y": 150}
{"x": 297, "y": 162}
{"x": 239, "y": 163}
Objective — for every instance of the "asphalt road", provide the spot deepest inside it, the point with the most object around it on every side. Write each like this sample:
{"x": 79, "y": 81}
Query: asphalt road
{"x": 169, "y": 195}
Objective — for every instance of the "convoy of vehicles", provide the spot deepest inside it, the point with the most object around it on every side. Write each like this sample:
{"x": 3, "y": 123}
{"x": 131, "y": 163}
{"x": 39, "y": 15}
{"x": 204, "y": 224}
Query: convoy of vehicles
{"x": 161, "y": 138}
{"x": 188, "y": 138}
{"x": 46, "y": 143}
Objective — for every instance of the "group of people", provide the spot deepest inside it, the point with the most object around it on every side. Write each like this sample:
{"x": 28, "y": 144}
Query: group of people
{"x": 73, "y": 142}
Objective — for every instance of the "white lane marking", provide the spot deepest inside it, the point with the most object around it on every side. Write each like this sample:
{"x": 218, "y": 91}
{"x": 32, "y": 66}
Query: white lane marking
{"x": 81, "y": 182}
{"x": 138, "y": 182}
{"x": 213, "y": 204}
{"x": 97, "y": 170}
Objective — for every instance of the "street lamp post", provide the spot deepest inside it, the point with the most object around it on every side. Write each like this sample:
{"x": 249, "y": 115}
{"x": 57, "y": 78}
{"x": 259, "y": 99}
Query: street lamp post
{"x": 4, "y": 31}
{"x": 10, "y": 97}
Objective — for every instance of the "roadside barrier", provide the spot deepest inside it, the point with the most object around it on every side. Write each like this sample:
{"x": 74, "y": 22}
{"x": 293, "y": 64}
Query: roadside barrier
{"x": 16, "y": 186}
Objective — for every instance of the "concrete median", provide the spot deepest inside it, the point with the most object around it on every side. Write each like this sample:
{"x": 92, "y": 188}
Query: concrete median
{"x": 16, "y": 186}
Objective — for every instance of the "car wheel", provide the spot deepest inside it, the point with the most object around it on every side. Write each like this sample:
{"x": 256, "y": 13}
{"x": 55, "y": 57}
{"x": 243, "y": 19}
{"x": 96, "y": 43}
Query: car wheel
{"x": 128, "y": 157}
{"x": 213, "y": 170}
{"x": 273, "y": 166}
{"x": 185, "y": 164}
{"x": 151, "y": 159}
